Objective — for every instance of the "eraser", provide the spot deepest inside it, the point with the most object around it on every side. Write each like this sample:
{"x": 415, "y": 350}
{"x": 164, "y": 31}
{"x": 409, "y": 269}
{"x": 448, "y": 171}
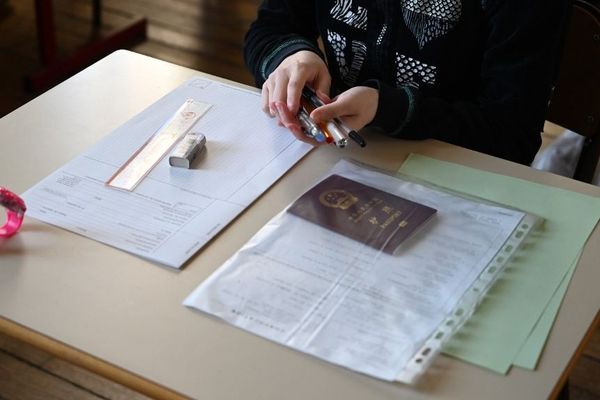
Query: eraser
{"x": 186, "y": 151}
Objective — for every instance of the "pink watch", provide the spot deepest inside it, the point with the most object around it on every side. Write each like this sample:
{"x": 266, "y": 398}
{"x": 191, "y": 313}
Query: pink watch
{"x": 15, "y": 211}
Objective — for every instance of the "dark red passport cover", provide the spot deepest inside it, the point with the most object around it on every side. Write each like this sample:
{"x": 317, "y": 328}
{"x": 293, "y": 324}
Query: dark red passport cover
{"x": 376, "y": 218}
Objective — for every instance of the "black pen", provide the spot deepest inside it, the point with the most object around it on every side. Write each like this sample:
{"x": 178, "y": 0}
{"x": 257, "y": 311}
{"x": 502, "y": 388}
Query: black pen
{"x": 357, "y": 138}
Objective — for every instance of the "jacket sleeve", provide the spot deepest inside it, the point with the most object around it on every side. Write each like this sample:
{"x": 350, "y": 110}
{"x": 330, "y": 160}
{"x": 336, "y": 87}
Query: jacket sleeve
{"x": 521, "y": 48}
{"x": 282, "y": 27}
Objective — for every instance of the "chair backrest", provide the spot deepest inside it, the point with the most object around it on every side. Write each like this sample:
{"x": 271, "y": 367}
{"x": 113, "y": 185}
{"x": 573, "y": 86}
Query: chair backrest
{"x": 575, "y": 103}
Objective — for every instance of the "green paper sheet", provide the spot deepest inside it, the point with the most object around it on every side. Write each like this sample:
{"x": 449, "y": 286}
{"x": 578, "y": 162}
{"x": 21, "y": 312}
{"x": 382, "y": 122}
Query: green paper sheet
{"x": 495, "y": 334}
{"x": 531, "y": 351}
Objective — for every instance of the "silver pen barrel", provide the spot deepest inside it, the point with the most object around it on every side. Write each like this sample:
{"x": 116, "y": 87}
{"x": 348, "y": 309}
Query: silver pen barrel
{"x": 309, "y": 126}
{"x": 339, "y": 136}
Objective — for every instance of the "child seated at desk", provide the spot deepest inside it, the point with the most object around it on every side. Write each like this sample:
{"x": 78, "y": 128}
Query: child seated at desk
{"x": 476, "y": 73}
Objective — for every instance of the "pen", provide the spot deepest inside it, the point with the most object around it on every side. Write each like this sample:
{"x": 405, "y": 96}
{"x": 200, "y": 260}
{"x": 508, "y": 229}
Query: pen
{"x": 338, "y": 136}
{"x": 310, "y": 95}
{"x": 308, "y": 107}
{"x": 309, "y": 127}
{"x": 357, "y": 138}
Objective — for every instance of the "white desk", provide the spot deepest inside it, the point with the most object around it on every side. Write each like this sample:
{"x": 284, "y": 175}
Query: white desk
{"x": 122, "y": 316}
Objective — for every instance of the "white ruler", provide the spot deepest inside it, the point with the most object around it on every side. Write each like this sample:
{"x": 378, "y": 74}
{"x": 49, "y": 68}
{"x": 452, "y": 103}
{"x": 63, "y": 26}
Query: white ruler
{"x": 130, "y": 174}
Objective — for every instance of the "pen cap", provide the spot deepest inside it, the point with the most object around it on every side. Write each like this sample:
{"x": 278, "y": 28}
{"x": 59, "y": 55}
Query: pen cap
{"x": 334, "y": 134}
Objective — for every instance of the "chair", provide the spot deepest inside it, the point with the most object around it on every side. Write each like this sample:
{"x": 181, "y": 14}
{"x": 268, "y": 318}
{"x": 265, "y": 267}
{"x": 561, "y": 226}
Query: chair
{"x": 56, "y": 69}
{"x": 575, "y": 103}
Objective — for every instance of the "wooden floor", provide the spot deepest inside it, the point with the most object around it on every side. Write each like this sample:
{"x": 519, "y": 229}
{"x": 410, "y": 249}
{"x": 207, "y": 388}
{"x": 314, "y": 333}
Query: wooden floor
{"x": 201, "y": 34}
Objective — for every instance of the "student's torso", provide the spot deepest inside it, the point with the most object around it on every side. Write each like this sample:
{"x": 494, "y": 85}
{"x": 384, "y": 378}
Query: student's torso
{"x": 435, "y": 45}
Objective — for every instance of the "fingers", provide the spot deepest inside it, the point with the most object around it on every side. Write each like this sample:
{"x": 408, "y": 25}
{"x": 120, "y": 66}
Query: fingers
{"x": 282, "y": 91}
{"x": 274, "y": 90}
{"x": 324, "y": 97}
{"x": 356, "y": 107}
{"x": 265, "y": 101}
{"x": 279, "y": 89}
{"x": 294, "y": 92}
{"x": 299, "y": 134}
{"x": 329, "y": 111}
{"x": 290, "y": 121}
{"x": 286, "y": 82}
{"x": 303, "y": 138}
{"x": 285, "y": 86}
{"x": 322, "y": 86}
{"x": 286, "y": 117}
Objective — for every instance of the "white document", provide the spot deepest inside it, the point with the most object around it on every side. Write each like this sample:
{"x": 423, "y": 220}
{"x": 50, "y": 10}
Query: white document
{"x": 322, "y": 293}
{"x": 174, "y": 211}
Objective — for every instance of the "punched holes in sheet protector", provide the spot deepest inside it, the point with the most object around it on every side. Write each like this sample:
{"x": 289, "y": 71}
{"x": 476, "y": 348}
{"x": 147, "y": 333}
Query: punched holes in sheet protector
{"x": 424, "y": 354}
{"x": 473, "y": 297}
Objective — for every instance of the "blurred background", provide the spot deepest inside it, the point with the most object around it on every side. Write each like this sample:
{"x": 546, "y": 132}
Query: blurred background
{"x": 206, "y": 35}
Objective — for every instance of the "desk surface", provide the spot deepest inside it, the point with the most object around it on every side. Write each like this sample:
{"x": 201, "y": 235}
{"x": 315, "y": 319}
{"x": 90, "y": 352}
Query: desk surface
{"x": 122, "y": 316}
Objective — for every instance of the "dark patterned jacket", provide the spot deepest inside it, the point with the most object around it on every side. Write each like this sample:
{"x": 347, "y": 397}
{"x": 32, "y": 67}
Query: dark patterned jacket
{"x": 476, "y": 73}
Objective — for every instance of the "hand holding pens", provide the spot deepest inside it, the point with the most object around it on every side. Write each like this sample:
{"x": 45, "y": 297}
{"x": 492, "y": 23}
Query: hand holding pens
{"x": 332, "y": 131}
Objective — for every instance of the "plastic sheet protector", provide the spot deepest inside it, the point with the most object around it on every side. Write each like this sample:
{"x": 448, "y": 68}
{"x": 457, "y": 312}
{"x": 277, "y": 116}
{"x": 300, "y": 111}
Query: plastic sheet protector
{"x": 368, "y": 271}
{"x": 539, "y": 280}
{"x": 172, "y": 212}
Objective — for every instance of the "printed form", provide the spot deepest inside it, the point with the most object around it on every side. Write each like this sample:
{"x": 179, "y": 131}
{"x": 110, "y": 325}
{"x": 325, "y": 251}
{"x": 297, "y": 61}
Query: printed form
{"x": 347, "y": 303}
{"x": 174, "y": 211}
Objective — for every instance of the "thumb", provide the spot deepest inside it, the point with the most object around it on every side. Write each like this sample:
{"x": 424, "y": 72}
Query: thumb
{"x": 328, "y": 111}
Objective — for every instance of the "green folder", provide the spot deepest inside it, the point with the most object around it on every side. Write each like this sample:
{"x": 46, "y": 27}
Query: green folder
{"x": 513, "y": 322}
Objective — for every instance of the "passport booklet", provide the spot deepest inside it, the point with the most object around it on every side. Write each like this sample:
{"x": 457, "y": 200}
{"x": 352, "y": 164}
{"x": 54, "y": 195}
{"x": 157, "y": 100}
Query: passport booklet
{"x": 371, "y": 216}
